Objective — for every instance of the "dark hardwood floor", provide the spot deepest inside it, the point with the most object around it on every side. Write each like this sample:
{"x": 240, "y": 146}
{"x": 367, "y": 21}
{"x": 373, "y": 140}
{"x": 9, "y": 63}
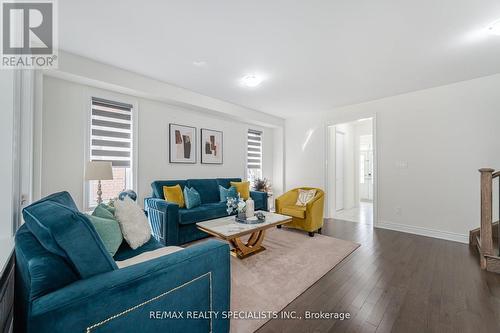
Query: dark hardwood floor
{"x": 397, "y": 282}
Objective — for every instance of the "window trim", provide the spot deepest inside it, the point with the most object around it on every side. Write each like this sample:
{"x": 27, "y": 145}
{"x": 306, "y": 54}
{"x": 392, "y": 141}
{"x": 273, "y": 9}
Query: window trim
{"x": 111, "y": 96}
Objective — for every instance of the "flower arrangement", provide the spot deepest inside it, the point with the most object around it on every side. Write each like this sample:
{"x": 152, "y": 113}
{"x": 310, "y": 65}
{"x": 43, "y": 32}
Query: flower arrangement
{"x": 262, "y": 185}
{"x": 235, "y": 205}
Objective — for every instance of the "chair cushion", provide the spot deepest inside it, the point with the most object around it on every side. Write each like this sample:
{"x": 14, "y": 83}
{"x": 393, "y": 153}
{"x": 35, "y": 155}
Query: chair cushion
{"x": 207, "y": 188}
{"x": 243, "y": 189}
{"x": 202, "y": 213}
{"x": 157, "y": 186}
{"x": 294, "y": 211}
{"x": 68, "y": 233}
{"x": 226, "y": 182}
{"x": 174, "y": 194}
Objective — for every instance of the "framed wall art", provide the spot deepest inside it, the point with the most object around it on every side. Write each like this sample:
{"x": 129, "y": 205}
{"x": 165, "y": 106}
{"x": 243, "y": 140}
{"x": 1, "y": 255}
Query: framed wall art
{"x": 182, "y": 144}
{"x": 211, "y": 146}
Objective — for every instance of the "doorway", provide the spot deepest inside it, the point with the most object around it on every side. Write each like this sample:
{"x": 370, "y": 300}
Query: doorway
{"x": 351, "y": 177}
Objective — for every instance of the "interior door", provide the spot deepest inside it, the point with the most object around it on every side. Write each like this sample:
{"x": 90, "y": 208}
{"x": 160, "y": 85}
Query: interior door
{"x": 339, "y": 170}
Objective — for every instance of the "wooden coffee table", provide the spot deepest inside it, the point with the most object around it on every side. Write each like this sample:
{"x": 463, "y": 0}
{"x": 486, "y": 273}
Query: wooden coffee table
{"x": 228, "y": 229}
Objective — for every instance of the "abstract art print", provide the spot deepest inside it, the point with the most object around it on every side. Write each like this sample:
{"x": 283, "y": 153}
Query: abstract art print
{"x": 182, "y": 144}
{"x": 211, "y": 146}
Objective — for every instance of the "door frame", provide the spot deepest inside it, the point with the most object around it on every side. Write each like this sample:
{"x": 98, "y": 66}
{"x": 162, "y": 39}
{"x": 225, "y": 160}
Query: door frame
{"x": 337, "y": 132}
{"x": 330, "y": 202}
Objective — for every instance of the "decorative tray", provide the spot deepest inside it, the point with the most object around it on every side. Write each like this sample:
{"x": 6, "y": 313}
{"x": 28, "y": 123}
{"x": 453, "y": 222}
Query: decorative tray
{"x": 252, "y": 220}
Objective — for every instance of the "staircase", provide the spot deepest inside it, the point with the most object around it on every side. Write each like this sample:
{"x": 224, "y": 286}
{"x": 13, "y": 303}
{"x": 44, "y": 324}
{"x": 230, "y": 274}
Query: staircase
{"x": 485, "y": 238}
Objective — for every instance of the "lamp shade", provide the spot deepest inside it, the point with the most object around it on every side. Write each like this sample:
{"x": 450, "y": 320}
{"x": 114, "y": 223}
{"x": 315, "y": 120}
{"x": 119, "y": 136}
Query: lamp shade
{"x": 98, "y": 170}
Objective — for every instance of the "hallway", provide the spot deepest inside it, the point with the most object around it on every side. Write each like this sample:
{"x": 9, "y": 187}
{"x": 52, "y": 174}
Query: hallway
{"x": 362, "y": 214}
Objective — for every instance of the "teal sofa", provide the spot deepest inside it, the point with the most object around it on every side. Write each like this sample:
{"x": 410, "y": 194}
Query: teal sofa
{"x": 172, "y": 225}
{"x": 66, "y": 281}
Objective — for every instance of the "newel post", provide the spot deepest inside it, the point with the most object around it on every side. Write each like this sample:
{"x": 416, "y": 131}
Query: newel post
{"x": 486, "y": 214}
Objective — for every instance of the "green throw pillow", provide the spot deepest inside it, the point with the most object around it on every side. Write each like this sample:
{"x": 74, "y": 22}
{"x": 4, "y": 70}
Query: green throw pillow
{"x": 109, "y": 231}
{"x": 105, "y": 211}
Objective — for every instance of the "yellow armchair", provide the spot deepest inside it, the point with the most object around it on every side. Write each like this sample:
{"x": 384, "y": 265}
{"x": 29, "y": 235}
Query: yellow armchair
{"x": 308, "y": 218}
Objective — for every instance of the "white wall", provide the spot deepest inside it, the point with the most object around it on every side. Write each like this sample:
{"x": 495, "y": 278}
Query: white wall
{"x": 444, "y": 135}
{"x": 64, "y": 123}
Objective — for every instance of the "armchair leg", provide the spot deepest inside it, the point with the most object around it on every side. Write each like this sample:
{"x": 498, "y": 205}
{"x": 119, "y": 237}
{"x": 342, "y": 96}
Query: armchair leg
{"x": 311, "y": 234}
{"x": 278, "y": 226}
{"x": 320, "y": 230}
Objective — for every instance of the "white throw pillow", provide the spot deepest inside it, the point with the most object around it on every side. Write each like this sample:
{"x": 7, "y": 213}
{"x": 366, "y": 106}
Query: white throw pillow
{"x": 305, "y": 196}
{"x": 133, "y": 222}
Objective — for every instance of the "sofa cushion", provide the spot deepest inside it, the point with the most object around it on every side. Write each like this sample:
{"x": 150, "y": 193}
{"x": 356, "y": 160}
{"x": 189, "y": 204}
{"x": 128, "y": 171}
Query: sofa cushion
{"x": 69, "y": 234}
{"x": 208, "y": 189}
{"x": 39, "y": 270}
{"x": 126, "y": 252}
{"x": 157, "y": 186}
{"x": 294, "y": 211}
{"x": 202, "y": 213}
{"x": 226, "y": 182}
{"x": 149, "y": 255}
{"x": 104, "y": 211}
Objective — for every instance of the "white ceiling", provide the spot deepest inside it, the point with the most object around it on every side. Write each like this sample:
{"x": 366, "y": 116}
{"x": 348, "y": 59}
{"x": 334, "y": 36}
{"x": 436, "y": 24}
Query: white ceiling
{"x": 316, "y": 54}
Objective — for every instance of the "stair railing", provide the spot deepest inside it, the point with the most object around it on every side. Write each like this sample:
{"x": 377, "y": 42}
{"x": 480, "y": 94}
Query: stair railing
{"x": 486, "y": 230}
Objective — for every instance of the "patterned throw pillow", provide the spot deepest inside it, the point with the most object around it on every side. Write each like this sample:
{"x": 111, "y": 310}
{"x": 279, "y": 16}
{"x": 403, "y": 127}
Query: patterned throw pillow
{"x": 191, "y": 197}
{"x": 225, "y": 193}
{"x": 305, "y": 196}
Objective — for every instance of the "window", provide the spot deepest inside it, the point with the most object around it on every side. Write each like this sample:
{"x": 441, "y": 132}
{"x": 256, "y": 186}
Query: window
{"x": 254, "y": 155}
{"x": 111, "y": 139}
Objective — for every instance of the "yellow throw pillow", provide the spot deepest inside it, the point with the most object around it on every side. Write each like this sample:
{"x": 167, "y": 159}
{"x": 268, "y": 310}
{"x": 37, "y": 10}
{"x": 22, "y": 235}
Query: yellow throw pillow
{"x": 243, "y": 188}
{"x": 174, "y": 194}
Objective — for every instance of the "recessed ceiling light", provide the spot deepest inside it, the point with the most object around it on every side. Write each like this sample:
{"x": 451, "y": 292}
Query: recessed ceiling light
{"x": 251, "y": 80}
{"x": 494, "y": 28}
{"x": 199, "y": 63}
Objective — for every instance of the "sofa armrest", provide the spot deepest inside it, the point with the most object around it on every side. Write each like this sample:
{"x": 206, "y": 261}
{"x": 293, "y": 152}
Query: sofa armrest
{"x": 163, "y": 217}
{"x": 257, "y": 195}
{"x": 127, "y": 300}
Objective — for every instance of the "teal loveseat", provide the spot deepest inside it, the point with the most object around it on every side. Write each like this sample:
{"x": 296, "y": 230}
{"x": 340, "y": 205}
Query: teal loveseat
{"x": 66, "y": 281}
{"x": 172, "y": 225}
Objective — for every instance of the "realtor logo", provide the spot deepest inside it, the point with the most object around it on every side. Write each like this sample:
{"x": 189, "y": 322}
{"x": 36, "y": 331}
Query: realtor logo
{"x": 28, "y": 35}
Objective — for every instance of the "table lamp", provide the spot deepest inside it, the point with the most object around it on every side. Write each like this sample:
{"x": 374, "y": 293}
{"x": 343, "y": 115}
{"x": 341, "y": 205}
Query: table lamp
{"x": 98, "y": 170}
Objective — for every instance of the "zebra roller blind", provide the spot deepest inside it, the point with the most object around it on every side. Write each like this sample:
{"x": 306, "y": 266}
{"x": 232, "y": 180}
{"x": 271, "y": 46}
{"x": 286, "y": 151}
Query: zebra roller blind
{"x": 254, "y": 150}
{"x": 111, "y": 132}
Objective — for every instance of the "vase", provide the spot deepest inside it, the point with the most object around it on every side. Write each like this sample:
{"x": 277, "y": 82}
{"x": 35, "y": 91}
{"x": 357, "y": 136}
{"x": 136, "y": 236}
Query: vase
{"x": 250, "y": 208}
{"x": 241, "y": 216}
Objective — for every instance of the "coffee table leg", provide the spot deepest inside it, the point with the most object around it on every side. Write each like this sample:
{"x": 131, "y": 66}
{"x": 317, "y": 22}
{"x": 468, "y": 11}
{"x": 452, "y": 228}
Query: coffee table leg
{"x": 252, "y": 246}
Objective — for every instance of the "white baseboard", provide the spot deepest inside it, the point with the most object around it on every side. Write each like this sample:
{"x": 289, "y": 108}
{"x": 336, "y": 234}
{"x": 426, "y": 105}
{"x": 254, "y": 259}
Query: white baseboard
{"x": 410, "y": 229}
